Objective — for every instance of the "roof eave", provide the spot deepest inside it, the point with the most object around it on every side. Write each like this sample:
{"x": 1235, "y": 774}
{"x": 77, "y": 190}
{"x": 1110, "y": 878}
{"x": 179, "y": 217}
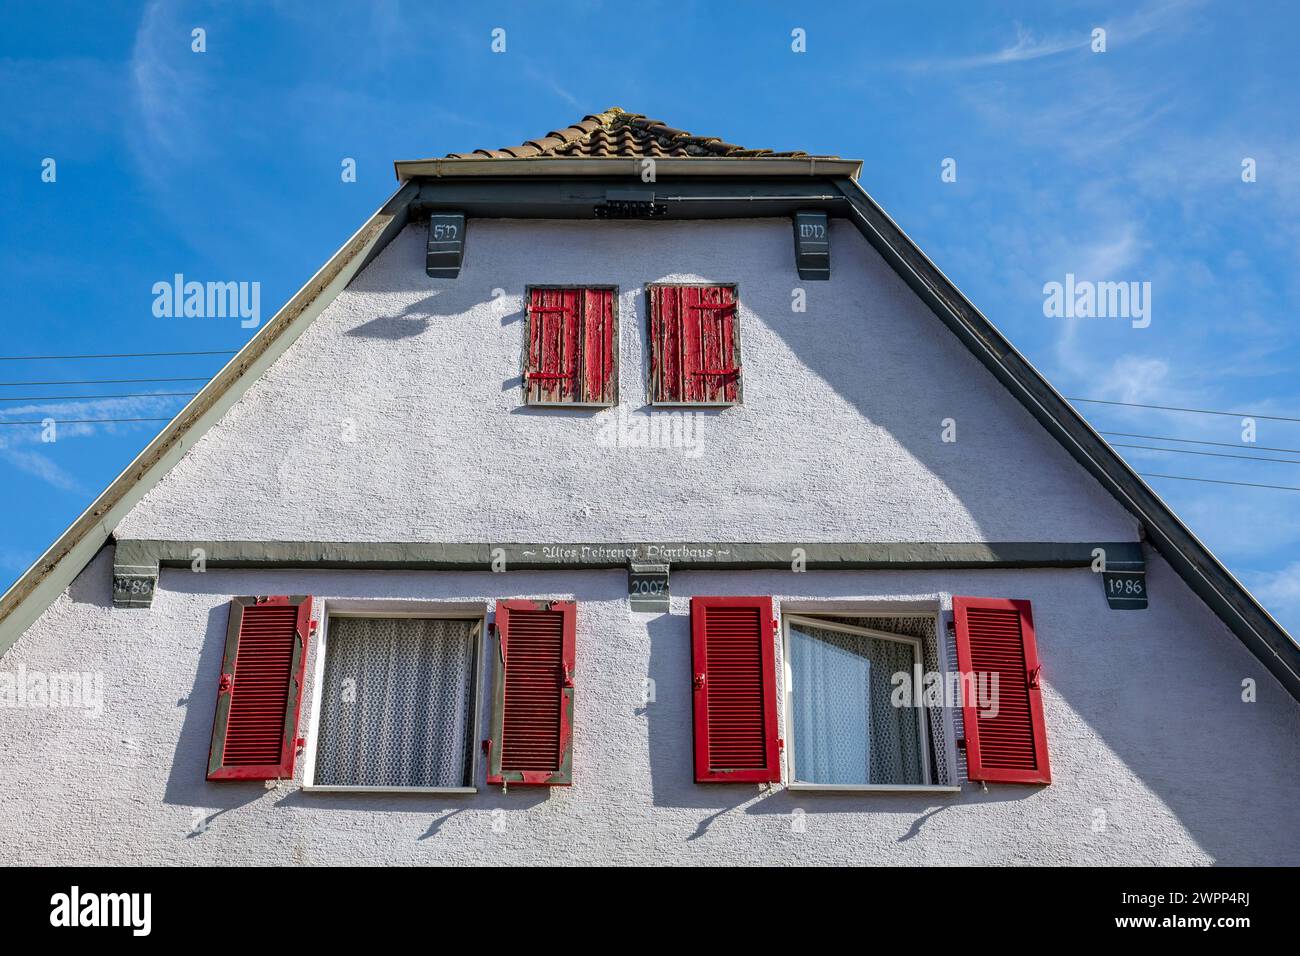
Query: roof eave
{"x": 629, "y": 166}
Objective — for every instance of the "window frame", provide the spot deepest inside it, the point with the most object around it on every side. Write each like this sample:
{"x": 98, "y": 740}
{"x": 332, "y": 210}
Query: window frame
{"x": 423, "y": 610}
{"x": 826, "y": 621}
{"x": 651, "y": 353}
{"x": 528, "y": 339}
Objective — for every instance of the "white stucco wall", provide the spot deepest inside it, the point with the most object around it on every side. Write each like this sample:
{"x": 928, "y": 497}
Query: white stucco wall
{"x": 1144, "y": 715}
{"x": 838, "y": 439}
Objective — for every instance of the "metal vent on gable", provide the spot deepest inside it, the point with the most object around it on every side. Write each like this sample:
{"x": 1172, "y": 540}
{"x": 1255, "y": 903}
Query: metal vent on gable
{"x": 630, "y": 204}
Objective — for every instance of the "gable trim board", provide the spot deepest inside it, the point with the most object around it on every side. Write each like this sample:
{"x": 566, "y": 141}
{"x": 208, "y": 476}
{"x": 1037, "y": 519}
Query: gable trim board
{"x": 1208, "y": 578}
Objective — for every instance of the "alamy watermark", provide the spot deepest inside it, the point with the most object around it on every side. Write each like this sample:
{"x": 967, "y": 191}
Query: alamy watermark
{"x": 1083, "y": 299}
{"x": 683, "y": 431}
{"x": 978, "y": 689}
{"x": 71, "y": 689}
{"x": 208, "y": 300}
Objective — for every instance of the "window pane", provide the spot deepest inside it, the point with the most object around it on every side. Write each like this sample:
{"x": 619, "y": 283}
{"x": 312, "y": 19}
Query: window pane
{"x": 846, "y": 729}
{"x": 397, "y": 704}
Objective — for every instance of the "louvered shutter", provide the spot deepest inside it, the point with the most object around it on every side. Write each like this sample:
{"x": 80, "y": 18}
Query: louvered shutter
{"x": 532, "y": 713}
{"x": 734, "y": 681}
{"x": 996, "y": 636}
{"x": 694, "y": 345}
{"x": 572, "y": 341}
{"x": 259, "y": 692}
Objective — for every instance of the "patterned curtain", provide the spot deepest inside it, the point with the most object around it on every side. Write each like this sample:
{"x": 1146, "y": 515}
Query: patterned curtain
{"x": 846, "y": 729}
{"x": 397, "y": 703}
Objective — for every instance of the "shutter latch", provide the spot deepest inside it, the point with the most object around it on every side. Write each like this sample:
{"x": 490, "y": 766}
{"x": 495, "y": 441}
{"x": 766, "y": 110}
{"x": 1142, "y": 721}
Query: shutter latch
{"x": 566, "y": 674}
{"x": 699, "y": 681}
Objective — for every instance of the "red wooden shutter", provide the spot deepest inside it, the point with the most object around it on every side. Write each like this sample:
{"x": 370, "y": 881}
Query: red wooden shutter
{"x": 532, "y": 714}
{"x": 734, "y": 679}
{"x": 694, "y": 346}
{"x": 572, "y": 345}
{"x": 259, "y": 695}
{"x": 996, "y": 636}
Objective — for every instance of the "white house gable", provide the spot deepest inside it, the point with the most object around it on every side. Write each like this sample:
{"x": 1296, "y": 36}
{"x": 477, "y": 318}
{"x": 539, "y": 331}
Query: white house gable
{"x": 399, "y": 414}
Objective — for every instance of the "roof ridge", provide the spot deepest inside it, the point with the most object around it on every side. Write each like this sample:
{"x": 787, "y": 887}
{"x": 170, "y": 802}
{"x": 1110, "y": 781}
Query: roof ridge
{"x": 619, "y": 133}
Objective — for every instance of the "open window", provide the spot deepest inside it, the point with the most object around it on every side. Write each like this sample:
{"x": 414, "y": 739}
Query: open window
{"x": 396, "y": 703}
{"x": 845, "y": 727}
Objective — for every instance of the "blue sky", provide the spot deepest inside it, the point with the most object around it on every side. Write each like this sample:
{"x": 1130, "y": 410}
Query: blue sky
{"x": 1124, "y": 165}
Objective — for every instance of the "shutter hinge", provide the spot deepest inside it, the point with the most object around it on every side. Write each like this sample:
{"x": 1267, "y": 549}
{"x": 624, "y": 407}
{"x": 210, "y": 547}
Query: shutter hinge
{"x": 952, "y": 627}
{"x": 961, "y": 744}
{"x": 700, "y": 680}
{"x": 566, "y": 674}
{"x": 300, "y": 744}
{"x": 1033, "y": 677}
{"x": 780, "y": 743}
{"x": 226, "y": 684}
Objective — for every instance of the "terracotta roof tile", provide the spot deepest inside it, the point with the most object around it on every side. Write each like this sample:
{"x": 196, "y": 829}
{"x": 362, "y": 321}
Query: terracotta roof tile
{"x": 615, "y": 133}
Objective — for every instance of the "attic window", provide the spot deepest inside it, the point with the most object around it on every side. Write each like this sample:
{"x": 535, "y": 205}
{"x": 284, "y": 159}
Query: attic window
{"x": 572, "y": 354}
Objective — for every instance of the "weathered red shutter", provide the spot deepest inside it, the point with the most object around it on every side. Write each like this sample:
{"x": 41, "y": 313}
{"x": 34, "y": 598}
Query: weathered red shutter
{"x": 532, "y": 714}
{"x": 734, "y": 680}
{"x": 996, "y": 636}
{"x": 572, "y": 345}
{"x": 694, "y": 346}
{"x": 259, "y": 694}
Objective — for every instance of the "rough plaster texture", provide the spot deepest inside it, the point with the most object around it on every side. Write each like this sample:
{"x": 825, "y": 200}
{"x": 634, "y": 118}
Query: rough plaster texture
{"x": 1145, "y": 723}
{"x": 1155, "y": 757}
{"x": 398, "y": 415}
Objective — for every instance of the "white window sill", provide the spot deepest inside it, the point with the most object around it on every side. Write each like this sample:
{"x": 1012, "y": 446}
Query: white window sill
{"x": 324, "y": 788}
{"x": 873, "y": 787}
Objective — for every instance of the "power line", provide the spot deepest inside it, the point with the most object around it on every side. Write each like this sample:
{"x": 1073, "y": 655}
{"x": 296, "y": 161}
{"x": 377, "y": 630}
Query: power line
{"x": 112, "y": 381}
{"x": 1174, "y": 408}
{"x": 1217, "y": 481}
{"x": 60, "y": 398}
{"x": 88, "y": 421}
{"x": 1201, "y": 441}
{"x": 41, "y": 358}
{"x": 1211, "y": 454}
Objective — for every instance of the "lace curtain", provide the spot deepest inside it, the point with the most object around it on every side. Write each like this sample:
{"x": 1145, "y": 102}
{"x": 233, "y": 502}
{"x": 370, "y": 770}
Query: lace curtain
{"x": 397, "y": 703}
{"x": 846, "y": 729}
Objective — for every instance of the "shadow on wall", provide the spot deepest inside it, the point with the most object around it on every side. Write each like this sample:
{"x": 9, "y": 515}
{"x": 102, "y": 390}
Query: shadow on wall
{"x": 187, "y": 783}
{"x": 670, "y": 735}
{"x": 1150, "y": 705}
{"x": 188, "y": 786}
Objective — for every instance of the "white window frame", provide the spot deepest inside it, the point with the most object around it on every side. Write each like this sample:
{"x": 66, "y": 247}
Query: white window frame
{"x": 918, "y": 660}
{"x": 425, "y": 610}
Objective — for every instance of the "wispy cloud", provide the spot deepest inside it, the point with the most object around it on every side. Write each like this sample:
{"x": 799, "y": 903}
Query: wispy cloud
{"x": 547, "y": 79}
{"x": 1028, "y": 46}
{"x": 161, "y": 94}
{"x": 42, "y": 467}
{"x": 26, "y": 448}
